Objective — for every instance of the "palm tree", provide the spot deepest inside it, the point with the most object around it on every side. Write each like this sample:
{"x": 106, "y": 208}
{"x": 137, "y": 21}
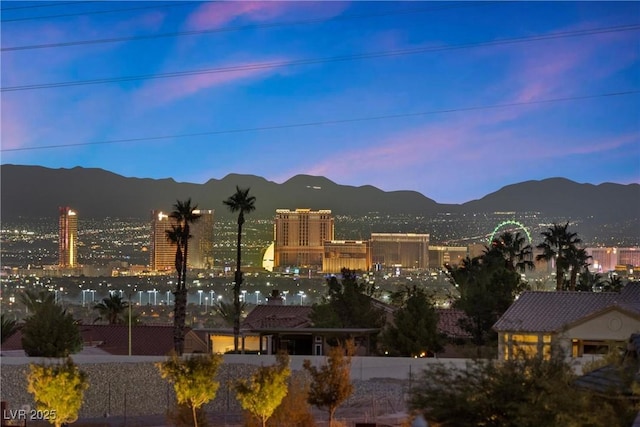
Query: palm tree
{"x": 613, "y": 284}
{"x": 112, "y": 309}
{"x": 517, "y": 255}
{"x": 184, "y": 215}
{"x": 227, "y": 311}
{"x": 578, "y": 261}
{"x": 558, "y": 241}
{"x": 242, "y": 203}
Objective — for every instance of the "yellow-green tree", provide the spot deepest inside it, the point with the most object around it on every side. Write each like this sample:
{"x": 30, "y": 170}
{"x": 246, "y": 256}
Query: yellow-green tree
{"x": 263, "y": 392}
{"x": 193, "y": 379}
{"x": 58, "y": 390}
{"x": 331, "y": 384}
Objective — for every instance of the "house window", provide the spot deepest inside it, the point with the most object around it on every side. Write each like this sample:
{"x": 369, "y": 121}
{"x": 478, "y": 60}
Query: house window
{"x": 527, "y": 345}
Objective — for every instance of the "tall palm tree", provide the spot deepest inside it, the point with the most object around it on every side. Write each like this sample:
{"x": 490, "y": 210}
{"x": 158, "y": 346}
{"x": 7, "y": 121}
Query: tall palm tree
{"x": 242, "y": 203}
{"x": 184, "y": 215}
{"x": 558, "y": 241}
{"x": 577, "y": 261}
{"x": 518, "y": 255}
{"x": 112, "y": 309}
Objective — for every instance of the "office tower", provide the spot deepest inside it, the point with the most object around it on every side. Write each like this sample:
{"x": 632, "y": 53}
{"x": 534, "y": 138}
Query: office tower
{"x": 162, "y": 252}
{"x": 201, "y": 243}
{"x": 299, "y": 236}
{"x": 68, "y": 237}
{"x": 405, "y": 250}
{"x": 351, "y": 254}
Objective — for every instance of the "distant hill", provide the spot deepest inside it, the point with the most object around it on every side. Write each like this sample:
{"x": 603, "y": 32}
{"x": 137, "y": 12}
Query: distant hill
{"x": 34, "y": 191}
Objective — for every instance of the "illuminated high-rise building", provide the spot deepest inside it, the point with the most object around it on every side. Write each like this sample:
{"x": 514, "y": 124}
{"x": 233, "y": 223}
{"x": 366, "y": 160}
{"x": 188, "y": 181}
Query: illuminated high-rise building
{"x": 68, "y": 237}
{"x": 162, "y": 252}
{"x": 201, "y": 243}
{"x": 406, "y": 250}
{"x": 299, "y": 236}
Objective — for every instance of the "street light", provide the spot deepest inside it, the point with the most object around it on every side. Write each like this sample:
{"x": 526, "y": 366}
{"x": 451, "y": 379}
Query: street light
{"x": 257, "y": 297}
{"x": 168, "y": 297}
{"x": 200, "y": 295}
{"x": 244, "y": 296}
{"x": 206, "y": 300}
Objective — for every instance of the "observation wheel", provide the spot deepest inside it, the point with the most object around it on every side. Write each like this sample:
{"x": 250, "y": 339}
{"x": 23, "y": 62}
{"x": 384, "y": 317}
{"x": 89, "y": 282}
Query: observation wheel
{"x": 513, "y": 224}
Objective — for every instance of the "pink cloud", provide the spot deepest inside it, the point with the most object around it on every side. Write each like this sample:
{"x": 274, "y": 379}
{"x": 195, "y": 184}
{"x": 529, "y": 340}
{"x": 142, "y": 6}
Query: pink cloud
{"x": 170, "y": 89}
{"x": 213, "y": 14}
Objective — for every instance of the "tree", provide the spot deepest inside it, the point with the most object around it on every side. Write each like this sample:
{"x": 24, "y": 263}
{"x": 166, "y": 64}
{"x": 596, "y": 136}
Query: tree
{"x": 487, "y": 288}
{"x": 414, "y": 331}
{"x": 523, "y": 392}
{"x": 50, "y": 331}
{"x": 184, "y": 215}
{"x": 331, "y": 383}
{"x": 348, "y": 304}
{"x": 517, "y": 255}
{"x": 294, "y": 410}
{"x": 613, "y": 283}
{"x": 226, "y": 311}
{"x": 193, "y": 379}
{"x": 7, "y": 328}
{"x": 242, "y": 203}
{"x": 577, "y": 262}
{"x": 112, "y": 309}
{"x": 58, "y": 390}
{"x": 264, "y": 391}
{"x": 557, "y": 243}
{"x": 588, "y": 281}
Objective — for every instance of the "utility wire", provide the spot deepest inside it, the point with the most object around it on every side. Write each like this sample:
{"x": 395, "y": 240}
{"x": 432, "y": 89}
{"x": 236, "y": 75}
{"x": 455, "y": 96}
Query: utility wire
{"x": 243, "y": 27}
{"x": 54, "y": 3}
{"x": 328, "y": 122}
{"x": 95, "y": 12}
{"x": 264, "y": 65}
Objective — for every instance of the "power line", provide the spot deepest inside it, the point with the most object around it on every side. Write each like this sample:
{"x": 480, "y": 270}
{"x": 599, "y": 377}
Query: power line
{"x": 240, "y": 28}
{"x": 381, "y": 54}
{"x": 328, "y": 122}
{"x": 55, "y": 3}
{"x": 95, "y": 12}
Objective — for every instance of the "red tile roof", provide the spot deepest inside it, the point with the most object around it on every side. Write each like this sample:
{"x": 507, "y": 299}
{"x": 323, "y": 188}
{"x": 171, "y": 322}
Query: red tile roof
{"x": 449, "y": 323}
{"x": 278, "y": 316}
{"x": 146, "y": 340}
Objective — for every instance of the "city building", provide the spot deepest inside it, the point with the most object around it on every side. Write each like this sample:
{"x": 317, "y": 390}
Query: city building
{"x": 201, "y": 244}
{"x": 162, "y": 252}
{"x": 68, "y": 238}
{"x": 399, "y": 250}
{"x": 300, "y": 235}
{"x": 439, "y": 256}
{"x": 606, "y": 259}
{"x": 351, "y": 254}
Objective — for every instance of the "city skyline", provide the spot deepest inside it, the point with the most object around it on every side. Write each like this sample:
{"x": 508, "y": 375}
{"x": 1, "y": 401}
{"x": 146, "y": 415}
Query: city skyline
{"x": 391, "y": 94}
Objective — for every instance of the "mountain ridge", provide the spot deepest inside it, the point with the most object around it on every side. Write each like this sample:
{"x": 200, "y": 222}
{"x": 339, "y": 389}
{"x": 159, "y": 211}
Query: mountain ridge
{"x": 37, "y": 190}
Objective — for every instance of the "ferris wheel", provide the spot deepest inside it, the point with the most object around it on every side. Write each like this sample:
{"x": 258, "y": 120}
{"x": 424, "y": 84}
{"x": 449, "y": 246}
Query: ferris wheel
{"x": 513, "y": 225}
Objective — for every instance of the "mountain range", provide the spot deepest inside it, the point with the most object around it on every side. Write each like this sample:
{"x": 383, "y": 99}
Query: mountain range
{"x": 35, "y": 191}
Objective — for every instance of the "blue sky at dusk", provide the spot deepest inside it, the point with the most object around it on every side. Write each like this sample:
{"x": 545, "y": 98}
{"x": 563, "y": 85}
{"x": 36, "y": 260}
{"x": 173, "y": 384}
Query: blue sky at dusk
{"x": 454, "y": 100}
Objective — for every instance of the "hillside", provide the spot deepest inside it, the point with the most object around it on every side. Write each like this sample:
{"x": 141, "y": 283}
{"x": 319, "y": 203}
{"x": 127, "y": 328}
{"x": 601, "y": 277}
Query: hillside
{"x": 28, "y": 191}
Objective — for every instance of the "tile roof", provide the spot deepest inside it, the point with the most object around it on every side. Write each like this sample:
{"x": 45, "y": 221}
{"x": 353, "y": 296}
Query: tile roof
{"x": 146, "y": 340}
{"x": 537, "y": 311}
{"x": 278, "y": 316}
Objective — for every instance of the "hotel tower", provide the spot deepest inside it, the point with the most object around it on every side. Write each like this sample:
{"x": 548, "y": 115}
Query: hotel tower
{"x": 68, "y": 238}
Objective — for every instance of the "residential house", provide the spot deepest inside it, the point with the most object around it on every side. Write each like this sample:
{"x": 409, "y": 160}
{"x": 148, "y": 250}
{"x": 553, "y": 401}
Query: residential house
{"x": 576, "y": 323}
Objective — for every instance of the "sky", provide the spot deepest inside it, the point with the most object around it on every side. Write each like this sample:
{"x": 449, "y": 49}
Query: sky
{"x": 451, "y": 99}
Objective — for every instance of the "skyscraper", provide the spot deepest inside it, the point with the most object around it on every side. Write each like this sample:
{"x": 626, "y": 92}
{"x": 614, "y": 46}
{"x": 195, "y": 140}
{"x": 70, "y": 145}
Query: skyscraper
{"x": 299, "y": 236}
{"x": 201, "y": 244}
{"x": 162, "y": 252}
{"x": 68, "y": 237}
